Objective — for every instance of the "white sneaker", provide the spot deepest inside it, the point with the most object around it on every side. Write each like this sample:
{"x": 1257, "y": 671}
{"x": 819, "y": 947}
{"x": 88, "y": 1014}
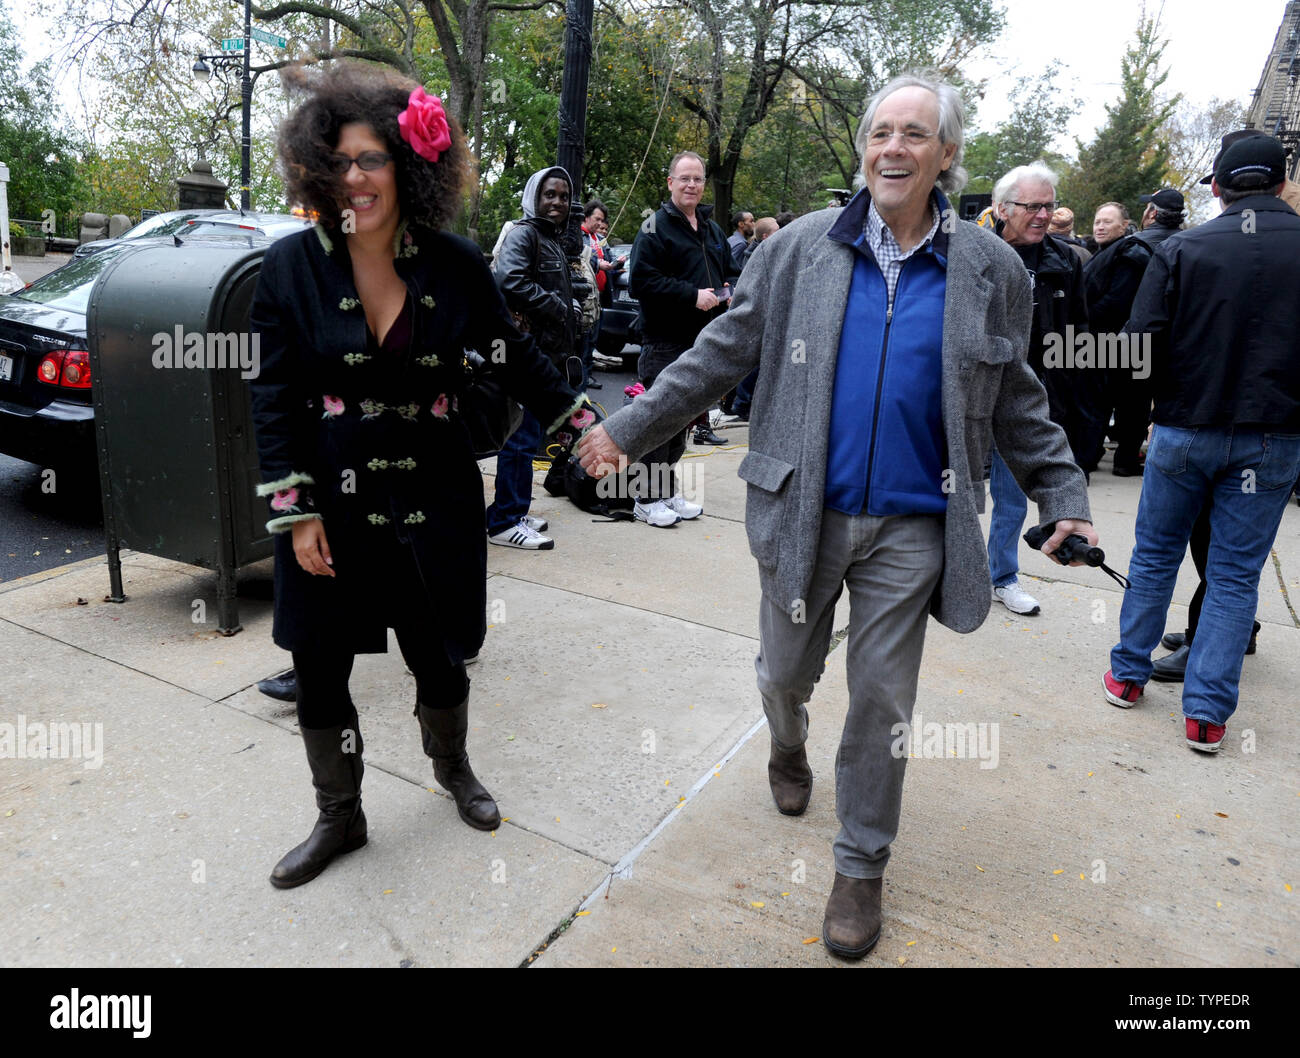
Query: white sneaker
{"x": 684, "y": 507}
{"x": 657, "y": 513}
{"x": 537, "y": 525}
{"x": 522, "y": 535}
{"x": 1016, "y": 599}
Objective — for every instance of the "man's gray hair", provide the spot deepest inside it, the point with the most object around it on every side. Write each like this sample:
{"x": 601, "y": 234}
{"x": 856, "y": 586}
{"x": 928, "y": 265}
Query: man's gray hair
{"x": 1004, "y": 190}
{"x": 952, "y": 123}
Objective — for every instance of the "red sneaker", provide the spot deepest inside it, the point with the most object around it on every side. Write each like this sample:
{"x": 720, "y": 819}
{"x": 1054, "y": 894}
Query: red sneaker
{"x": 1124, "y": 694}
{"x": 1205, "y": 736}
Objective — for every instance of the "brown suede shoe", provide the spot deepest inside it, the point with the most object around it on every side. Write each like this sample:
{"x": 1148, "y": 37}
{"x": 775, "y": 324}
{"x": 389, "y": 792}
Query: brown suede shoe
{"x": 852, "y": 924}
{"x": 791, "y": 780}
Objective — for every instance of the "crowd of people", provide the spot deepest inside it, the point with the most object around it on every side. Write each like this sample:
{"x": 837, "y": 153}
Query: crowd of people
{"x": 888, "y": 360}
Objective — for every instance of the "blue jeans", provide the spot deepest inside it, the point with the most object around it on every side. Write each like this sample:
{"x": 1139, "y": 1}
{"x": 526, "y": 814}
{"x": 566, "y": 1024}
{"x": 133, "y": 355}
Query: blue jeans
{"x": 1009, "y": 509}
{"x": 1248, "y": 475}
{"x": 515, "y": 476}
{"x": 745, "y": 393}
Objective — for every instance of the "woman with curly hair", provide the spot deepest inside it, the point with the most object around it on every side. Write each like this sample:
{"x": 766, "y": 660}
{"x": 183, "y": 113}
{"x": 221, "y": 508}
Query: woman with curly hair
{"x": 376, "y": 498}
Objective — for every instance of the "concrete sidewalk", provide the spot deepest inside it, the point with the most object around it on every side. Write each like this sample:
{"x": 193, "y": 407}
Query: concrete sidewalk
{"x": 615, "y": 719}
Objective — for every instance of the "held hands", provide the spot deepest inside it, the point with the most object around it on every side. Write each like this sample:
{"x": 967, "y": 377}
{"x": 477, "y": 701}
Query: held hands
{"x": 1063, "y": 529}
{"x": 599, "y": 455}
{"x": 706, "y": 299}
{"x": 311, "y": 548}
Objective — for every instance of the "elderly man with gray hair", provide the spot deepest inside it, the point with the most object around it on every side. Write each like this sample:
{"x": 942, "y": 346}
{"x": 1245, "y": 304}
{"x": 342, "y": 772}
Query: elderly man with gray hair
{"x": 891, "y": 339}
{"x": 1023, "y": 202}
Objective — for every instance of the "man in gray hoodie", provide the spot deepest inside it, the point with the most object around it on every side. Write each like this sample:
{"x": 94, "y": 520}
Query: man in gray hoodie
{"x": 533, "y": 273}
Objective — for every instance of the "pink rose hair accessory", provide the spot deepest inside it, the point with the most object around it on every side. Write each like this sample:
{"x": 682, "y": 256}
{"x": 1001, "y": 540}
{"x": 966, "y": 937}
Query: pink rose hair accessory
{"x": 423, "y": 125}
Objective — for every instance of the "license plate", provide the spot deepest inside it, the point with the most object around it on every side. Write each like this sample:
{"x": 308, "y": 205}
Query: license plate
{"x": 6, "y": 368}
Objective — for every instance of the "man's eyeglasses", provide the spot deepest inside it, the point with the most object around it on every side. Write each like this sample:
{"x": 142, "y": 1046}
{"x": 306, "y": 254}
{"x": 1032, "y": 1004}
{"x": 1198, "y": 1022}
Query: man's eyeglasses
{"x": 367, "y": 160}
{"x": 687, "y": 179}
{"x": 1034, "y": 208}
{"x": 912, "y": 137}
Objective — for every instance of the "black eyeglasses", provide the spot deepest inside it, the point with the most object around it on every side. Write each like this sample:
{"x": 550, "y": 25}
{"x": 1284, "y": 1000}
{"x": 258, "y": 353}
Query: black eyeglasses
{"x": 1036, "y": 207}
{"x": 367, "y": 160}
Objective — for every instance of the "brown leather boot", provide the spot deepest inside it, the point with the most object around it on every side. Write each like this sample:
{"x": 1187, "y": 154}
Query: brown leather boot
{"x": 852, "y": 924}
{"x": 334, "y": 755}
{"x": 444, "y": 732}
{"x": 791, "y": 780}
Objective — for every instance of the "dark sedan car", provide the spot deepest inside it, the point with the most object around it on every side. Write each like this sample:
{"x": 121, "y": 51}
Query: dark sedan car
{"x": 620, "y": 319}
{"x": 46, "y": 409}
{"x": 189, "y": 222}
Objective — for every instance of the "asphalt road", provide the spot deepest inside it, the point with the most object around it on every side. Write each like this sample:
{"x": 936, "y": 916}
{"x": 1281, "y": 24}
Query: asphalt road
{"x": 45, "y": 523}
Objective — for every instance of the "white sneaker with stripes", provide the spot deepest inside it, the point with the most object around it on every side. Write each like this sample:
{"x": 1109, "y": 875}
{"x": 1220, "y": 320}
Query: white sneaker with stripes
{"x": 523, "y": 536}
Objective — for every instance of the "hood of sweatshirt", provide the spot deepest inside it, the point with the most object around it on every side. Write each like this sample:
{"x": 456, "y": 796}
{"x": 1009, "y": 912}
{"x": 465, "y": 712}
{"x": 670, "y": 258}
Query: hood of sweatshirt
{"x": 533, "y": 189}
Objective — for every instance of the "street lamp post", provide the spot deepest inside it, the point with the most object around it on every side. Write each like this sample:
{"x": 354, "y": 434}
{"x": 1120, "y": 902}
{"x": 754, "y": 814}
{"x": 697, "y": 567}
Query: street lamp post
{"x": 202, "y": 72}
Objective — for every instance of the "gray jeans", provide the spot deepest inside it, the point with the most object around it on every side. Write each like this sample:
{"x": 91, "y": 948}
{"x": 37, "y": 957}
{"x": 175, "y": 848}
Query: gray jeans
{"x": 891, "y": 566}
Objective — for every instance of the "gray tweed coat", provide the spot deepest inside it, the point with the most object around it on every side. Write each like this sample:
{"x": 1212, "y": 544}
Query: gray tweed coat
{"x": 786, "y": 317}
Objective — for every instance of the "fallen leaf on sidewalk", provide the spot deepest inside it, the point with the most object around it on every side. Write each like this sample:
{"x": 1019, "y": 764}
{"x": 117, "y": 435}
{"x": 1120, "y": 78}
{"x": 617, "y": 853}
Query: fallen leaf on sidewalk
{"x": 1222, "y": 815}
{"x": 979, "y": 868}
{"x": 386, "y": 892}
{"x": 1056, "y": 938}
{"x": 810, "y": 940}
{"x": 1059, "y": 870}
{"x": 1287, "y": 886}
{"x": 599, "y": 705}
{"x": 910, "y": 943}
{"x": 902, "y": 961}
{"x": 581, "y": 913}
{"x": 757, "y": 903}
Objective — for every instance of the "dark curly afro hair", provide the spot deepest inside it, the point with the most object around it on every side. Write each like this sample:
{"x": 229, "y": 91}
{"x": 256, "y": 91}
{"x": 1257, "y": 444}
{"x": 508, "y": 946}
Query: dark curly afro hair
{"x": 429, "y": 193}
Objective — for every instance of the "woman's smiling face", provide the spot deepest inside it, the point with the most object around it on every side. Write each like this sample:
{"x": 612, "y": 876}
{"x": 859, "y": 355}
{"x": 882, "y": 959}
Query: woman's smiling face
{"x": 368, "y": 197}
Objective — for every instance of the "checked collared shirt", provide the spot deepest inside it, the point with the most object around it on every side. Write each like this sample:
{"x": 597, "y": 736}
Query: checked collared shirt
{"x": 889, "y": 255}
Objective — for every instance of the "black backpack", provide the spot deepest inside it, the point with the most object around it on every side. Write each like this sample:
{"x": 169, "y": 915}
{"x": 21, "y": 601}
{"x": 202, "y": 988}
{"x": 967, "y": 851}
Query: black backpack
{"x": 609, "y": 496}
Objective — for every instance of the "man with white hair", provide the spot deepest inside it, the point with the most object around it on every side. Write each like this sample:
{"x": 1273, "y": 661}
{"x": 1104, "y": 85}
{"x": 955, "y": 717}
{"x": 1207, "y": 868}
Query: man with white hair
{"x": 1023, "y": 202}
{"x": 891, "y": 340}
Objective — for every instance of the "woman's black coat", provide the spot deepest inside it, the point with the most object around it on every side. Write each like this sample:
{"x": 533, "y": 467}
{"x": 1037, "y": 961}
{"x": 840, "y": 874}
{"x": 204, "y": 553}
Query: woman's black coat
{"x": 374, "y": 442}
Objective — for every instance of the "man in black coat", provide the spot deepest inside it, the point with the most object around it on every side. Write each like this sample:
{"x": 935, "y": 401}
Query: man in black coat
{"x": 1218, "y": 307}
{"x": 533, "y": 274}
{"x": 1024, "y": 200}
{"x": 1111, "y": 281}
{"x": 681, "y": 272}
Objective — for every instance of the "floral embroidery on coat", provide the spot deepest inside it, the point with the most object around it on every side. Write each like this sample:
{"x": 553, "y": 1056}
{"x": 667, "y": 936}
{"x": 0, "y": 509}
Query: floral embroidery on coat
{"x": 285, "y": 501}
{"x": 333, "y": 406}
{"x": 440, "y": 405}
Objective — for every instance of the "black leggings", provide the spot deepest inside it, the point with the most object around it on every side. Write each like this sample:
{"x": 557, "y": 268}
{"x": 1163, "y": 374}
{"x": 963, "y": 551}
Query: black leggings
{"x": 323, "y": 698}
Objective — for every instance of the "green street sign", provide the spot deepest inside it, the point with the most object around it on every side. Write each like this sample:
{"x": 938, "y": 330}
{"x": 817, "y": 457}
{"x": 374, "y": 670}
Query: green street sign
{"x": 269, "y": 38}
{"x": 232, "y": 44}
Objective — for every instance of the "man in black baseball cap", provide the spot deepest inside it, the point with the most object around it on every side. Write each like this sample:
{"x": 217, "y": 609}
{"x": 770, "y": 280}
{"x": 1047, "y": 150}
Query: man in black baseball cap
{"x": 1218, "y": 311}
{"x": 1290, "y": 190}
{"x": 1162, "y": 217}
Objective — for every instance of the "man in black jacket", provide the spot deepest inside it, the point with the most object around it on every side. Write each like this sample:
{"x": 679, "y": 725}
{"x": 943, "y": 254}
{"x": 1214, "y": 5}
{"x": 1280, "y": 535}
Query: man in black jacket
{"x": 1024, "y": 200}
{"x": 533, "y": 274}
{"x": 1111, "y": 280}
{"x": 682, "y": 272}
{"x": 1218, "y": 306}
{"x": 1163, "y": 216}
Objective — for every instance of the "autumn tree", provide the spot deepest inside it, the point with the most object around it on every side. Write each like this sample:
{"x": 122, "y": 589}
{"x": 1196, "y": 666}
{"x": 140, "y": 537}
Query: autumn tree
{"x": 1130, "y": 154}
{"x": 1039, "y": 111}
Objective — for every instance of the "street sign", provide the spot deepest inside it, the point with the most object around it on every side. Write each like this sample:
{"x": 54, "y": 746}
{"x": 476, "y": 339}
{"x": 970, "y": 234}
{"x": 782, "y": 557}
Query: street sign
{"x": 232, "y": 44}
{"x": 269, "y": 38}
